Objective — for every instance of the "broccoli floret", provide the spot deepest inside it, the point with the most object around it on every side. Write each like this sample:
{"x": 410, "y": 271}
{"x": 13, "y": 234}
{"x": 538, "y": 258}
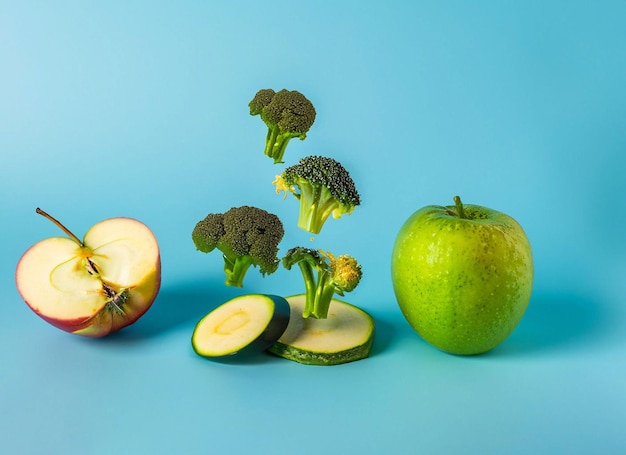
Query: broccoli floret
{"x": 246, "y": 236}
{"x": 287, "y": 114}
{"x": 324, "y": 276}
{"x": 323, "y": 186}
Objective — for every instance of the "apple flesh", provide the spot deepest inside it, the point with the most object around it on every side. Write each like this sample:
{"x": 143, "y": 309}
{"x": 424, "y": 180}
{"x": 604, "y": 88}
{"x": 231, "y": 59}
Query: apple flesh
{"x": 462, "y": 276}
{"x": 96, "y": 286}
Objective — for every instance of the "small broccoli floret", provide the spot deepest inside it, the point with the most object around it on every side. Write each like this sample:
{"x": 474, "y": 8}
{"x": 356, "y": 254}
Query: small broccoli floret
{"x": 208, "y": 232}
{"x": 324, "y": 276}
{"x": 262, "y": 98}
{"x": 287, "y": 114}
{"x": 346, "y": 272}
{"x": 323, "y": 186}
{"x": 246, "y": 236}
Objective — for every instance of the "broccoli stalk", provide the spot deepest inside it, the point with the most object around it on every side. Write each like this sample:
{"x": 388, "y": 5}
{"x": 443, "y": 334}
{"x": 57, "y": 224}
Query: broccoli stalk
{"x": 287, "y": 114}
{"x": 235, "y": 268}
{"x": 246, "y": 236}
{"x": 324, "y": 276}
{"x": 323, "y": 186}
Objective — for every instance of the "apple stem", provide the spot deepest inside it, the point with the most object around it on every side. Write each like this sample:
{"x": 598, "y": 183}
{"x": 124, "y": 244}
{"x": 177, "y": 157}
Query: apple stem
{"x": 58, "y": 223}
{"x": 459, "y": 207}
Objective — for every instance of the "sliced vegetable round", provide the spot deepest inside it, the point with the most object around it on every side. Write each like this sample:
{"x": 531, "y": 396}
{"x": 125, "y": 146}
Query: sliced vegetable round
{"x": 345, "y": 336}
{"x": 253, "y": 321}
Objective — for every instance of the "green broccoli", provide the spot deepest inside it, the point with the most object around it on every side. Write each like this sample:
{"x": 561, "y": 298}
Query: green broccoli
{"x": 246, "y": 236}
{"x": 324, "y": 276}
{"x": 287, "y": 114}
{"x": 323, "y": 186}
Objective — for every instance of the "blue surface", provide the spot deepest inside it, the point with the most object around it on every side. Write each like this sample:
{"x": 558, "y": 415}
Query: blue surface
{"x": 140, "y": 109}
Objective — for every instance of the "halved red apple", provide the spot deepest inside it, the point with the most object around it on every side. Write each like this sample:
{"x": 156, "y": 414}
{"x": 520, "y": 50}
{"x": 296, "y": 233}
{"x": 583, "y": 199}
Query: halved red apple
{"x": 96, "y": 286}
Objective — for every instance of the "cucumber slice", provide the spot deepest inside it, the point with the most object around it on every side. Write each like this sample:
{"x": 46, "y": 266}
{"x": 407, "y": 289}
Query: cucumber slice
{"x": 247, "y": 322}
{"x": 345, "y": 336}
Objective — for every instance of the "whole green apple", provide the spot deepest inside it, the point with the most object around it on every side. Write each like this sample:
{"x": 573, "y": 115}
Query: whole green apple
{"x": 462, "y": 276}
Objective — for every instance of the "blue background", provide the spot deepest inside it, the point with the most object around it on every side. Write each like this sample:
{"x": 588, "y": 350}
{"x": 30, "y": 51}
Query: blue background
{"x": 136, "y": 108}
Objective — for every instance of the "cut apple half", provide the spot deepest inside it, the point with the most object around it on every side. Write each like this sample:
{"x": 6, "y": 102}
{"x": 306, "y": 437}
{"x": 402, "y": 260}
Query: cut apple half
{"x": 95, "y": 286}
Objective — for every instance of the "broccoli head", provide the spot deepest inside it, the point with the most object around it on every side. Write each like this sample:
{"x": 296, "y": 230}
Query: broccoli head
{"x": 324, "y": 276}
{"x": 246, "y": 236}
{"x": 287, "y": 114}
{"x": 323, "y": 186}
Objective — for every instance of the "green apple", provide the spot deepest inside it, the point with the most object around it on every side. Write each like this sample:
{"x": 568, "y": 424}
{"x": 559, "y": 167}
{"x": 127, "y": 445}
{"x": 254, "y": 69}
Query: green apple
{"x": 462, "y": 276}
{"x": 95, "y": 286}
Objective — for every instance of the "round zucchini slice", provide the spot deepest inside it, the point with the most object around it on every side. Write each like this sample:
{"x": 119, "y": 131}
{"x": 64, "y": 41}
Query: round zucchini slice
{"x": 247, "y": 322}
{"x": 345, "y": 336}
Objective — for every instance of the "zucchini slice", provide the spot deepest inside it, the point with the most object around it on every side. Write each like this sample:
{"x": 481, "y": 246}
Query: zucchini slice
{"x": 345, "y": 336}
{"x": 247, "y": 322}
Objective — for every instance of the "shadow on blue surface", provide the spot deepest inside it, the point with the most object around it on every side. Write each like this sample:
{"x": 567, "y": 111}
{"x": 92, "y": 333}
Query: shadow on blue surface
{"x": 183, "y": 304}
{"x": 558, "y": 322}
{"x": 384, "y": 333}
{"x": 551, "y": 323}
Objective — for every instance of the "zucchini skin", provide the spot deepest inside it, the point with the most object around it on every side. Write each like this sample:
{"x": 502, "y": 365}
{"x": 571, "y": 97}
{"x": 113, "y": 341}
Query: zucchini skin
{"x": 277, "y": 325}
{"x": 322, "y": 359}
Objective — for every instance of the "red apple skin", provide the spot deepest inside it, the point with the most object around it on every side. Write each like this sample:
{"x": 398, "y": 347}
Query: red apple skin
{"x": 106, "y": 321}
